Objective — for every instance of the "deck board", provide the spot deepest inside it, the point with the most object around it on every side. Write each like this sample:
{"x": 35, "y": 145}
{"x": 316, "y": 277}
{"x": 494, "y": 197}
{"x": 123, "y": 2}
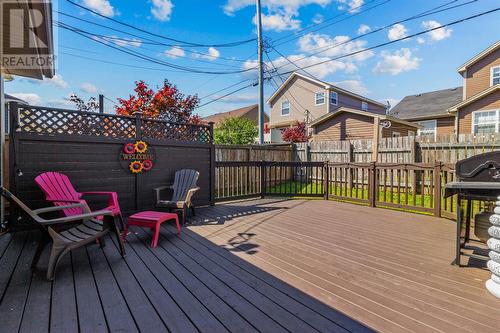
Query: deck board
{"x": 270, "y": 265}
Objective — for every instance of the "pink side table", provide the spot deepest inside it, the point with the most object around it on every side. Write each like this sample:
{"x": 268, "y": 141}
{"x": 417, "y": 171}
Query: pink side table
{"x": 152, "y": 220}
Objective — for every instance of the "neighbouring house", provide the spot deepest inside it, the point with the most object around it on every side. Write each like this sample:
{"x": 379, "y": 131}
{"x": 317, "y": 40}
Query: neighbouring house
{"x": 430, "y": 110}
{"x": 351, "y": 124}
{"x": 473, "y": 109}
{"x": 479, "y": 112}
{"x": 302, "y": 98}
{"x": 250, "y": 112}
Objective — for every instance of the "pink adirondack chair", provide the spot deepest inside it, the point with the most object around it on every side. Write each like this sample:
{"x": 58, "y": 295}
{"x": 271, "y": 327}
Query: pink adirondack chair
{"x": 59, "y": 191}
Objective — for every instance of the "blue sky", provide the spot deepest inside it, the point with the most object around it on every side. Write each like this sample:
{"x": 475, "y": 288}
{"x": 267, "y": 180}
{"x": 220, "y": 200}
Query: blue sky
{"x": 388, "y": 73}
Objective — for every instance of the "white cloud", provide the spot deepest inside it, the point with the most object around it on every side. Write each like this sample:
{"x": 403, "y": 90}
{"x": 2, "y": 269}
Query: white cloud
{"x": 397, "y": 31}
{"x": 320, "y": 71}
{"x": 318, "y": 18}
{"x": 397, "y": 62}
{"x": 420, "y": 40}
{"x": 88, "y": 88}
{"x": 175, "y": 52}
{"x": 162, "y": 9}
{"x": 57, "y": 81}
{"x": 278, "y": 22}
{"x": 281, "y": 14}
{"x": 103, "y": 7}
{"x": 355, "y": 86}
{"x": 341, "y": 46}
{"x": 363, "y": 29}
{"x": 438, "y": 34}
{"x": 240, "y": 98}
{"x": 352, "y": 5}
{"x": 30, "y": 98}
{"x": 134, "y": 42}
{"x": 64, "y": 102}
{"x": 212, "y": 54}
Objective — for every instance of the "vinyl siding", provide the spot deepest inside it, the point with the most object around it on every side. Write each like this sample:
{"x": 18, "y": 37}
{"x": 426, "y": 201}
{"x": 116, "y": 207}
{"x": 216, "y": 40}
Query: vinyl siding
{"x": 303, "y": 98}
{"x": 402, "y": 129}
{"x": 478, "y": 76}
{"x": 446, "y": 126}
{"x": 355, "y": 103}
{"x": 344, "y": 126}
{"x": 490, "y": 102}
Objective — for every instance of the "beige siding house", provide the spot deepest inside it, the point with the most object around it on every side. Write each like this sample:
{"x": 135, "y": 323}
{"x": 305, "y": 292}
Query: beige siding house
{"x": 302, "y": 98}
{"x": 351, "y": 124}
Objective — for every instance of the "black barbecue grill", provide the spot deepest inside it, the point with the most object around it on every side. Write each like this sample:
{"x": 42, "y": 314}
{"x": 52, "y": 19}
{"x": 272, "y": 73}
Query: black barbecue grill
{"x": 479, "y": 179}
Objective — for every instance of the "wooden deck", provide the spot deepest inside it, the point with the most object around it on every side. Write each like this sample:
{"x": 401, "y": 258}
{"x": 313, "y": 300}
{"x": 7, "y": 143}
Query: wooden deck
{"x": 263, "y": 265}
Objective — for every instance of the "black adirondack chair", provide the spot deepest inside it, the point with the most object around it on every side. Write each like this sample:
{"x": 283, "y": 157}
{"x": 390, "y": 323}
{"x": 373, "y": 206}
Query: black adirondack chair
{"x": 183, "y": 189}
{"x": 75, "y": 234}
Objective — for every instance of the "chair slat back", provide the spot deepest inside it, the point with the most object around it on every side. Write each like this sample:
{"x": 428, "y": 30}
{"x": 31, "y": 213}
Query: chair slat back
{"x": 56, "y": 186}
{"x": 185, "y": 179}
{"x": 12, "y": 198}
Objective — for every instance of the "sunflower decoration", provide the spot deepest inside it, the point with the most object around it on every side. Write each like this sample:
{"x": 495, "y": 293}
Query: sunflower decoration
{"x": 135, "y": 167}
{"x": 141, "y": 146}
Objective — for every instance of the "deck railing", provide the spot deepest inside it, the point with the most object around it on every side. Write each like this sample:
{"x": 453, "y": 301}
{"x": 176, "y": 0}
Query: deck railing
{"x": 414, "y": 187}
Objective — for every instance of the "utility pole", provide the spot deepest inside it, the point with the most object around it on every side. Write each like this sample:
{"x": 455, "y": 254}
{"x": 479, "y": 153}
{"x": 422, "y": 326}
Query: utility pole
{"x": 261, "y": 73}
{"x": 101, "y": 103}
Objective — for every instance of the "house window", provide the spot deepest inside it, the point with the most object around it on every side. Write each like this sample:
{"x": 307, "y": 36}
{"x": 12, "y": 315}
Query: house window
{"x": 285, "y": 108}
{"x": 429, "y": 128}
{"x": 396, "y": 134}
{"x": 364, "y": 106}
{"x": 334, "y": 98}
{"x": 495, "y": 75}
{"x": 319, "y": 98}
{"x": 485, "y": 122}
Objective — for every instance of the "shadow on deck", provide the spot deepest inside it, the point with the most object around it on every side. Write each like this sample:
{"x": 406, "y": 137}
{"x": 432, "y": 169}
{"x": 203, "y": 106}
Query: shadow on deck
{"x": 186, "y": 284}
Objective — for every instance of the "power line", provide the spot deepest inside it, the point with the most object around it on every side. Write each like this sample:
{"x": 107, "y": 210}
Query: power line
{"x": 181, "y": 43}
{"x": 226, "y": 95}
{"x": 295, "y": 36}
{"x": 431, "y": 11}
{"x": 223, "y": 89}
{"x": 150, "y": 59}
{"x": 142, "y": 40}
{"x": 399, "y": 39}
{"x": 116, "y": 42}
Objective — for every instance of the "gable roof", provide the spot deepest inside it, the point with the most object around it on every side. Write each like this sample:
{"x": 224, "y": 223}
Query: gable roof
{"x": 433, "y": 104}
{"x": 323, "y": 84}
{"x": 10, "y": 98}
{"x": 479, "y": 56}
{"x": 340, "y": 110}
{"x": 474, "y": 98}
{"x": 237, "y": 113}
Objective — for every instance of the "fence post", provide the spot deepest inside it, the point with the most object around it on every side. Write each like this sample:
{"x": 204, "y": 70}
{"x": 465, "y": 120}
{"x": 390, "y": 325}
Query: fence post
{"x": 212, "y": 164}
{"x": 326, "y": 180}
{"x": 262, "y": 179}
{"x": 372, "y": 184}
{"x": 437, "y": 189}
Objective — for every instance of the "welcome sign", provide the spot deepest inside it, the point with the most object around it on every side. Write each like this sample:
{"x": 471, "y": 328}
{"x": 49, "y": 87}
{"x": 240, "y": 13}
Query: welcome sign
{"x": 137, "y": 156}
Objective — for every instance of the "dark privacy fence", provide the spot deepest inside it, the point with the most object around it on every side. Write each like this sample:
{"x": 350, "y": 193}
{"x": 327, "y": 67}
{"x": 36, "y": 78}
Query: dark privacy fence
{"x": 86, "y": 146}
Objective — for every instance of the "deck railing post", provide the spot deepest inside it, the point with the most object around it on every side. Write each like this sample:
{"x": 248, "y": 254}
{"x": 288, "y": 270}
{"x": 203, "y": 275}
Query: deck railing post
{"x": 212, "y": 164}
{"x": 326, "y": 180}
{"x": 437, "y": 189}
{"x": 262, "y": 179}
{"x": 372, "y": 184}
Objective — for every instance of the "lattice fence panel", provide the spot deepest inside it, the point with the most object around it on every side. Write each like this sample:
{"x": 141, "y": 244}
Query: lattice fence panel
{"x": 163, "y": 130}
{"x": 55, "y": 121}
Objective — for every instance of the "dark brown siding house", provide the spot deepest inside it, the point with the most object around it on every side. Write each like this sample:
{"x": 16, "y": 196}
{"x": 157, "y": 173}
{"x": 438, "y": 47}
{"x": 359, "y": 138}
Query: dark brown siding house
{"x": 250, "y": 112}
{"x": 430, "y": 110}
{"x": 351, "y": 124}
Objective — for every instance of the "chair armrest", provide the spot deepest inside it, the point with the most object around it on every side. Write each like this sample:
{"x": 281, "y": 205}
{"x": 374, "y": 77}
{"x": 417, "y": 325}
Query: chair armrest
{"x": 99, "y": 193}
{"x": 56, "y": 208}
{"x": 75, "y": 217}
{"x": 161, "y": 188}
{"x": 64, "y": 200}
{"x": 190, "y": 194}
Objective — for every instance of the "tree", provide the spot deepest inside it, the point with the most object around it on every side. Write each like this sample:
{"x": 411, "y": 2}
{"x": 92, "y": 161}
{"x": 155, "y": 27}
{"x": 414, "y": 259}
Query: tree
{"x": 167, "y": 103}
{"x": 296, "y": 133}
{"x": 236, "y": 131}
{"x": 91, "y": 106}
